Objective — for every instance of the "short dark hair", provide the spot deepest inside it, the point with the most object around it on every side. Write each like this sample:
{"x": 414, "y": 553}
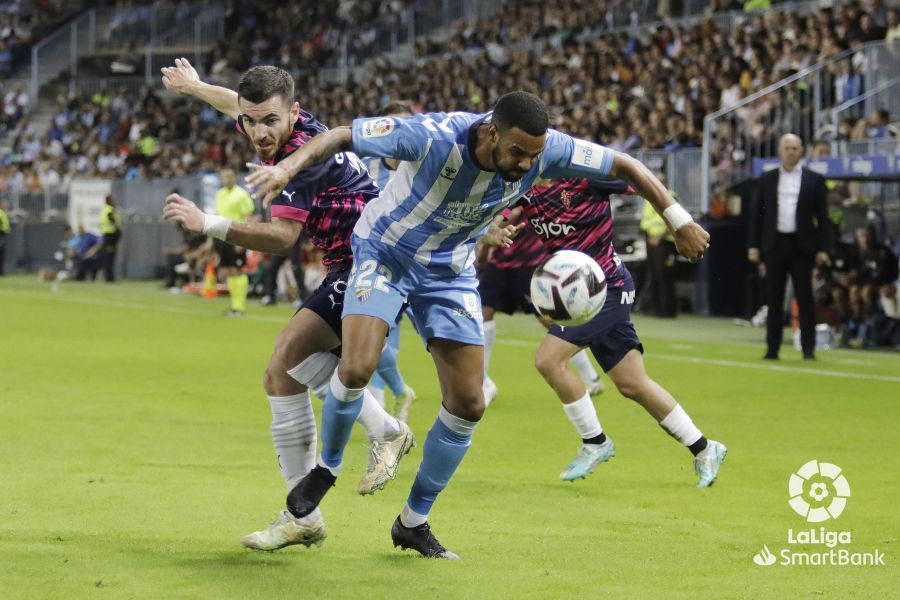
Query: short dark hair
{"x": 261, "y": 83}
{"x": 523, "y": 110}
{"x": 396, "y": 107}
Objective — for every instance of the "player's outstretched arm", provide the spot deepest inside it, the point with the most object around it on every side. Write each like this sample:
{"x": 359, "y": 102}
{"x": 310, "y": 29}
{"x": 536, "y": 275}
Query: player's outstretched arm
{"x": 277, "y": 237}
{"x": 690, "y": 239}
{"x": 268, "y": 181}
{"x": 184, "y": 79}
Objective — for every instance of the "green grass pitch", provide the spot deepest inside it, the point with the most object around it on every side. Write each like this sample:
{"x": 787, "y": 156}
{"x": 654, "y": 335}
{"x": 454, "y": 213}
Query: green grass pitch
{"x": 135, "y": 451}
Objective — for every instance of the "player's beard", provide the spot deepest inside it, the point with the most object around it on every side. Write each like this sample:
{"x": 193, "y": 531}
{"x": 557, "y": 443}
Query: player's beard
{"x": 508, "y": 174}
{"x": 267, "y": 152}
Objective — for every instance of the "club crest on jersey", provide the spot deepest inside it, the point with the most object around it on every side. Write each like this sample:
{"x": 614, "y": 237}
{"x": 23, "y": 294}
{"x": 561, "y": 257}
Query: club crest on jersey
{"x": 362, "y": 294}
{"x": 449, "y": 173}
{"x": 377, "y": 127}
{"x": 512, "y": 187}
{"x": 566, "y": 198}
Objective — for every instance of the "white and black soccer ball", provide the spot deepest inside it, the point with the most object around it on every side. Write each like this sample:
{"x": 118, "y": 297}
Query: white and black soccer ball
{"x": 569, "y": 288}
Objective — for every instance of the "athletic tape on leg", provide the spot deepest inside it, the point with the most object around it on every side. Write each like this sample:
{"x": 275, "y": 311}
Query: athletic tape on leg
{"x": 316, "y": 370}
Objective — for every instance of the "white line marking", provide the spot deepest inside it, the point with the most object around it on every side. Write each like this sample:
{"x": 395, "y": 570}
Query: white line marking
{"x": 506, "y": 342}
{"x": 783, "y": 369}
{"x": 134, "y": 305}
{"x": 737, "y": 364}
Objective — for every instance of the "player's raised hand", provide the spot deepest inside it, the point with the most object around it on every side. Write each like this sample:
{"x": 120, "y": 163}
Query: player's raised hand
{"x": 501, "y": 233}
{"x": 266, "y": 181}
{"x": 181, "y": 210}
{"x": 181, "y": 77}
{"x": 691, "y": 240}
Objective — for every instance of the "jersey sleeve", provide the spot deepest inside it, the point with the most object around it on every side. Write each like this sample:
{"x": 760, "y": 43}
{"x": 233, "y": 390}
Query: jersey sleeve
{"x": 565, "y": 156}
{"x": 295, "y": 201}
{"x": 392, "y": 137}
{"x": 611, "y": 186}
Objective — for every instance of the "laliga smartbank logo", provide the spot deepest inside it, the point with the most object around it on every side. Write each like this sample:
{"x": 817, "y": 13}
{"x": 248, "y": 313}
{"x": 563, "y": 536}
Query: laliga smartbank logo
{"x": 818, "y": 492}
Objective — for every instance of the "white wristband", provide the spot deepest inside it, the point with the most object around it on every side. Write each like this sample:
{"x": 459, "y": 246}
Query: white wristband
{"x": 216, "y": 226}
{"x": 677, "y": 216}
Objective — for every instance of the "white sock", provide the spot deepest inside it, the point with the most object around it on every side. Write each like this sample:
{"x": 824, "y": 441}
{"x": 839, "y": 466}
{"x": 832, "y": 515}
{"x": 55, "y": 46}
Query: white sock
{"x": 410, "y": 518}
{"x": 680, "y": 426}
{"x": 586, "y": 371}
{"x": 583, "y": 416}
{"x": 375, "y": 420}
{"x": 378, "y": 393}
{"x": 294, "y": 435}
{"x": 341, "y": 392}
{"x": 321, "y": 392}
{"x": 490, "y": 335}
{"x": 311, "y": 518}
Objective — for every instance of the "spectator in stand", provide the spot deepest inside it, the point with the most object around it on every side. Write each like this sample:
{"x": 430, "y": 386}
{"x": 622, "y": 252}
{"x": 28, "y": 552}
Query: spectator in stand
{"x": 878, "y": 124}
{"x": 622, "y": 88}
{"x": 892, "y": 25}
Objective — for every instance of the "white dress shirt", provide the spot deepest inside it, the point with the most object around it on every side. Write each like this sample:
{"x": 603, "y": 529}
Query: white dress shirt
{"x": 788, "y": 193}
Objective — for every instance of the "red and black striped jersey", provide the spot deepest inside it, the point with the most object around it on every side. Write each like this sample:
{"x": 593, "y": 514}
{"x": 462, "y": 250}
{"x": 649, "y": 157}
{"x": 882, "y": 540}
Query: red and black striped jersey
{"x": 574, "y": 214}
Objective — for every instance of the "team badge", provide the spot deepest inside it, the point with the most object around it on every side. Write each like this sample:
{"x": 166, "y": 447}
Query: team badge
{"x": 566, "y": 199}
{"x": 377, "y": 127}
{"x": 363, "y": 294}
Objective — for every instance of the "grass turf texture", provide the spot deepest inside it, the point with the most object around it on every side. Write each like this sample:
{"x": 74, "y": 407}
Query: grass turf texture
{"x": 135, "y": 452}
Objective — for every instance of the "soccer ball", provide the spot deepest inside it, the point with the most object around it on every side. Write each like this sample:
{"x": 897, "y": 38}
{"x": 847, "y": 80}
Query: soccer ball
{"x": 568, "y": 288}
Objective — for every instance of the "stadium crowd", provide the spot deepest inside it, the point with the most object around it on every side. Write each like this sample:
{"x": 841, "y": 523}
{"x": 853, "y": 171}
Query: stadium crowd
{"x": 21, "y": 25}
{"x": 630, "y": 91}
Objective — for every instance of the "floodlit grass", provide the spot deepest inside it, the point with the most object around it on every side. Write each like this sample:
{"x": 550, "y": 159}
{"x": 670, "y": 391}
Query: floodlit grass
{"x": 135, "y": 451}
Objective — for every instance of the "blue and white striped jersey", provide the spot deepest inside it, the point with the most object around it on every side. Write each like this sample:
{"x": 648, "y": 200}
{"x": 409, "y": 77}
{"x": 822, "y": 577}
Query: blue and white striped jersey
{"x": 439, "y": 200}
{"x": 378, "y": 171}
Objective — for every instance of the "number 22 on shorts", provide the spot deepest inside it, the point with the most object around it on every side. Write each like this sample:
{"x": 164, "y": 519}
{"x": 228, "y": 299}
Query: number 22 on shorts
{"x": 359, "y": 278}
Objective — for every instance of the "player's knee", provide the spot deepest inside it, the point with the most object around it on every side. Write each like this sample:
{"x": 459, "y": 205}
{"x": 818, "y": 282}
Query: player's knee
{"x": 468, "y": 405}
{"x": 270, "y": 380}
{"x": 356, "y": 373}
{"x": 283, "y": 348}
{"x": 633, "y": 389}
{"x": 547, "y": 365}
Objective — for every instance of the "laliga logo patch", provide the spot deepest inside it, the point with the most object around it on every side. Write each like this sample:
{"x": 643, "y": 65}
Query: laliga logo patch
{"x": 818, "y": 491}
{"x": 377, "y": 127}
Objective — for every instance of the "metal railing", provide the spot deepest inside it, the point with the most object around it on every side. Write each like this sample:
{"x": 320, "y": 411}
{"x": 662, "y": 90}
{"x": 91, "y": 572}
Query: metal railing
{"x": 59, "y": 51}
{"x": 41, "y": 205}
{"x": 802, "y": 104}
{"x": 111, "y": 31}
{"x": 867, "y": 102}
{"x": 193, "y": 36}
{"x": 393, "y": 35}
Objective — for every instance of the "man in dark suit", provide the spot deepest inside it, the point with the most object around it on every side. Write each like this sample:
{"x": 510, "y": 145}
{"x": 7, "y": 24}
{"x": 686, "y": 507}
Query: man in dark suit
{"x": 789, "y": 232}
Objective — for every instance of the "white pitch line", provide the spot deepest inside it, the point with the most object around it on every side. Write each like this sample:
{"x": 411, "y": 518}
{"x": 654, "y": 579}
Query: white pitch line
{"x": 507, "y": 342}
{"x": 783, "y": 369}
{"x": 737, "y": 364}
{"x": 62, "y": 296}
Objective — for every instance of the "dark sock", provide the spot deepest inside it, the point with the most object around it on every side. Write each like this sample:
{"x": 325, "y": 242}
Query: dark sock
{"x": 597, "y": 439}
{"x": 698, "y": 446}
